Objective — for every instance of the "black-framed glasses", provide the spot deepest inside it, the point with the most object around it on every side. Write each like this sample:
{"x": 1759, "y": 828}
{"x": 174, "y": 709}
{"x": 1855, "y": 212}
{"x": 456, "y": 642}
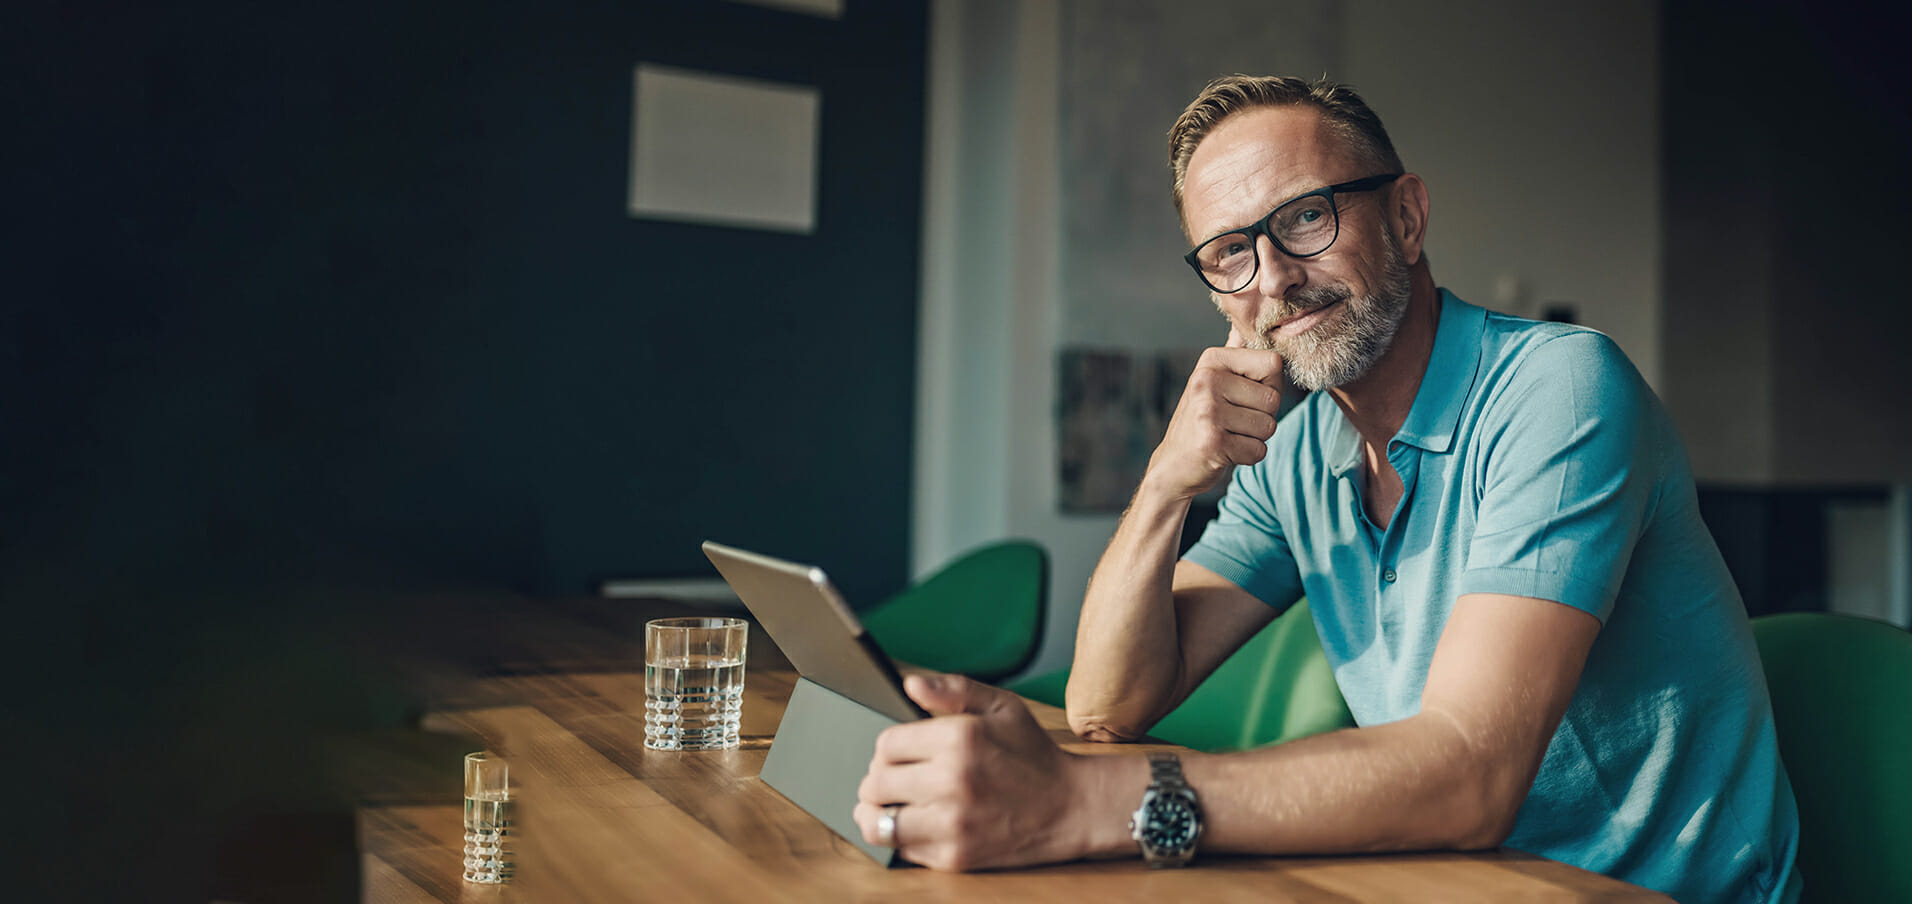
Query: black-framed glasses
{"x": 1301, "y": 227}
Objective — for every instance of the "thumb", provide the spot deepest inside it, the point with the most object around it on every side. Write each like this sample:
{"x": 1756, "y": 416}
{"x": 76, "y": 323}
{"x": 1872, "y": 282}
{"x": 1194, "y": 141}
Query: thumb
{"x": 947, "y": 695}
{"x": 1235, "y": 340}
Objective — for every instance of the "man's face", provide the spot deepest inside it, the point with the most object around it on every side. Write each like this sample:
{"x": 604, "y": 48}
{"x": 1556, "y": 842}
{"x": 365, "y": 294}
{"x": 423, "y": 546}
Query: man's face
{"x": 1331, "y": 316}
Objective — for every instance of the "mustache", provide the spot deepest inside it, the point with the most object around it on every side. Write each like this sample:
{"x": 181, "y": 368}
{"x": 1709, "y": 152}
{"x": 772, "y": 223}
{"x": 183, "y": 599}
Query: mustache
{"x": 1309, "y": 299}
{"x": 1295, "y": 305}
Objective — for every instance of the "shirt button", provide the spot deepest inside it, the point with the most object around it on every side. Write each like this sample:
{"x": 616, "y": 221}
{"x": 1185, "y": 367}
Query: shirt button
{"x": 1388, "y": 575}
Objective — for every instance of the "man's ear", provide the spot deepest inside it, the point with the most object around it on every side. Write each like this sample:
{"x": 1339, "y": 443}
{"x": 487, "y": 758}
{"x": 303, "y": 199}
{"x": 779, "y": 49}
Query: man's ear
{"x": 1407, "y": 216}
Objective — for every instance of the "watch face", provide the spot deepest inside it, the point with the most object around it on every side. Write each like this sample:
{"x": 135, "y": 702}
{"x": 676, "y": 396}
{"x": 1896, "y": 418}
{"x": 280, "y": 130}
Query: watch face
{"x": 1171, "y": 824}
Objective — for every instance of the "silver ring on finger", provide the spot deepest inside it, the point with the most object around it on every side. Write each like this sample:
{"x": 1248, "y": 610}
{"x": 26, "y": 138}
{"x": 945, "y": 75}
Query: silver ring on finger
{"x": 886, "y": 825}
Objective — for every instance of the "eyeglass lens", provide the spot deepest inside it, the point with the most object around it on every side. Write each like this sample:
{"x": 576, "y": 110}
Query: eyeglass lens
{"x": 1302, "y": 227}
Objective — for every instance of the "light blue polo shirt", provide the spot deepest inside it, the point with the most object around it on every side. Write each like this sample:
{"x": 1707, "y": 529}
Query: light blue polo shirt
{"x": 1537, "y": 462}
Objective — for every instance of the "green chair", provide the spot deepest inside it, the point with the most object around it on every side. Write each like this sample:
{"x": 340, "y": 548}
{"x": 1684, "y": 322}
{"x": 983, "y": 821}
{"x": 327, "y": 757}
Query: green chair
{"x": 980, "y": 616}
{"x": 1842, "y": 703}
{"x": 1277, "y": 687}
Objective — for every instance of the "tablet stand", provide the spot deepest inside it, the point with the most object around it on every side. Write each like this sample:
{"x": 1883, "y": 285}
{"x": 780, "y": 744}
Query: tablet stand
{"x": 820, "y": 755}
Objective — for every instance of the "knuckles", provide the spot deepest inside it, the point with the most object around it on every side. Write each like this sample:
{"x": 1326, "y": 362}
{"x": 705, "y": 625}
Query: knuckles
{"x": 1265, "y": 426}
{"x": 1270, "y": 399}
{"x": 885, "y": 746}
{"x": 958, "y": 858}
{"x": 1204, "y": 405}
{"x": 966, "y": 734}
{"x": 957, "y": 851}
{"x": 1205, "y": 385}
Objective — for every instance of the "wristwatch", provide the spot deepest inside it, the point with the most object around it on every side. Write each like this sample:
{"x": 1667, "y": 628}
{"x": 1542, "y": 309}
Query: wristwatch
{"x": 1169, "y": 821}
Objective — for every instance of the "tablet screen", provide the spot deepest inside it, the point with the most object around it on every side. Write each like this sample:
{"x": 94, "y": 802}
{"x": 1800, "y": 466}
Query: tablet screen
{"x": 809, "y": 621}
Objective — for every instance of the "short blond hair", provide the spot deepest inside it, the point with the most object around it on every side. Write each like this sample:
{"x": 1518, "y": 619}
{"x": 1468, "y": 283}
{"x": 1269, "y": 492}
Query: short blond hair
{"x": 1347, "y": 114}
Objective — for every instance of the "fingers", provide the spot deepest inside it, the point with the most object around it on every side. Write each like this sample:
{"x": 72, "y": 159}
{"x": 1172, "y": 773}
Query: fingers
{"x": 921, "y": 833}
{"x": 914, "y": 742}
{"x": 866, "y": 814}
{"x": 956, "y": 783}
{"x": 1226, "y": 414}
{"x": 929, "y": 691}
{"x": 1257, "y": 364}
{"x": 944, "y": 695}
{"x": 1238, "y": 390}
{"x": 902, "y": 783}
{"x": 918, "y": 800}
{"x": 918, "y": 822}
{"x": 1241, "y": 420}
{"x": 960, "y": 706}
{"x": 1231, "y": 401}
{"x": 1244, "y": 450}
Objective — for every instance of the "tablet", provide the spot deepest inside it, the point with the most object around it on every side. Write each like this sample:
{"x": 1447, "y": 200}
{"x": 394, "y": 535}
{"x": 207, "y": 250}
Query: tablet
{"x": 815, "y": 629}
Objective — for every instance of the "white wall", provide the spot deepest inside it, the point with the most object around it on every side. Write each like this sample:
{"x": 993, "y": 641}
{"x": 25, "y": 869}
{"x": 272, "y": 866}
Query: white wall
{"x": 1128, "y": 68}
{"x": 985, "y": 437}
{"x": 1536, "y": 128}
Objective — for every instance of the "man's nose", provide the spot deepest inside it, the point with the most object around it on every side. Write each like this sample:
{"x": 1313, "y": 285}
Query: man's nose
{"x": 1279, "y": 274}
{"x": 1276, "y": 275}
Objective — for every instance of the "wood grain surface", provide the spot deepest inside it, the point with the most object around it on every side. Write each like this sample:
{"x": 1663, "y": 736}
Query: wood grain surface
{"x": 602, "y": 819}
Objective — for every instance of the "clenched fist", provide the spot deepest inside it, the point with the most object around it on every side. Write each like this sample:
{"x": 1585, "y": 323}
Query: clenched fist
{"x": 1225, "y": 417}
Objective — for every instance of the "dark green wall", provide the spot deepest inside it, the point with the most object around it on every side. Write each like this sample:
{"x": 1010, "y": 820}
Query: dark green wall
{"x": 308, "y": 282}
{"x": 343, "y": 295}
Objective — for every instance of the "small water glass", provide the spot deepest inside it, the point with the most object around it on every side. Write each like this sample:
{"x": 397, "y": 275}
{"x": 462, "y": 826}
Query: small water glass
{"x": 488, "y": 819}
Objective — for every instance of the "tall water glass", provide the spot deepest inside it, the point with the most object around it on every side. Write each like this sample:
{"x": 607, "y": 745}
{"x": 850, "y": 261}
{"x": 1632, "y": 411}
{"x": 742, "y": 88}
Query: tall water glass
{"x": 693, "y": 682}
{"x": 488, "y": 817}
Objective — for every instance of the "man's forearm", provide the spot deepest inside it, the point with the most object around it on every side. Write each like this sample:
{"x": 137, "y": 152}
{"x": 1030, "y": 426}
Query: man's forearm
{"x": 1128, "y": 662}
{"x": 1453, "y": 775}
{"x": 1408, "y": 785}
{"x": 1131, "y": 664}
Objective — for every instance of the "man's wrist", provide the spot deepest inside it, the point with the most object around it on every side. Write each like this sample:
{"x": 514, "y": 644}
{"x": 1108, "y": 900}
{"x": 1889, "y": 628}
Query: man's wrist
{"x": 1153, "y": 497}
{"x": 1107, "y": 789}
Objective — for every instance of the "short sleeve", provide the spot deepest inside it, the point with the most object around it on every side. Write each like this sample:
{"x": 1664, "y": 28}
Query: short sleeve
{"x": 1245, "y": 543}
{"x": 1565, "y": 476}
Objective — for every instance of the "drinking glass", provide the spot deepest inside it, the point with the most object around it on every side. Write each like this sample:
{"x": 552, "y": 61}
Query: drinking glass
{"x": 693, "y": 683}
{"x": 488, "y": 817}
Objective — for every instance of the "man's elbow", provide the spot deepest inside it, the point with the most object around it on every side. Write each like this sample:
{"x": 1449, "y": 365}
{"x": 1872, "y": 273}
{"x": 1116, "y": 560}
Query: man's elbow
{"x": 1099, "y": 727}
{"x": 1483, "y": 816}
{"x": 1484, "y": 786}
{"x": 1099, "y": 717}
{"x": 1486, "y": 829}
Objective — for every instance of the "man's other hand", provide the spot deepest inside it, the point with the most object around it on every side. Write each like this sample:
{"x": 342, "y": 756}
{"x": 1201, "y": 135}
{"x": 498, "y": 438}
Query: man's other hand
{"x": 981, "y": 785}
{"x": 1225, "y": 417}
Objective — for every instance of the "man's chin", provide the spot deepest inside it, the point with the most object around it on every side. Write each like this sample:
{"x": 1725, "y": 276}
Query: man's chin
{"x": 1323, "y": 367}
{"x": 1305, "y": 377}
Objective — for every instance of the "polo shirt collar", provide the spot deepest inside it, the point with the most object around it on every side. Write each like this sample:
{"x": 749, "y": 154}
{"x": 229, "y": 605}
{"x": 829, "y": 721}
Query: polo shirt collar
{"x": 1451, "y": 370}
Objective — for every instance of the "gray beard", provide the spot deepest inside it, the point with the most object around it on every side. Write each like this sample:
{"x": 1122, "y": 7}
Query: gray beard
{"x": 1344, "y": 348}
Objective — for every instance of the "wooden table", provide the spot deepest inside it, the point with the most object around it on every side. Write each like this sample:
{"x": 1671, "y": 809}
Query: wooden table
{"x": 600, "y": 818}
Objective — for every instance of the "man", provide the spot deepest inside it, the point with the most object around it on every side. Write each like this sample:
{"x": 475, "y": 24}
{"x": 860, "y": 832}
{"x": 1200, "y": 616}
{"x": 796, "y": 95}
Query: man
{"x": 1495, "y": 524}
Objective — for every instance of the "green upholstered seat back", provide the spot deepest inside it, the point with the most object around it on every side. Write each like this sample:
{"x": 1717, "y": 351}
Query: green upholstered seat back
{"x": 981, "y": 615}
{"x": 1277, "y": 687}
{"x": 1842, "y": 703}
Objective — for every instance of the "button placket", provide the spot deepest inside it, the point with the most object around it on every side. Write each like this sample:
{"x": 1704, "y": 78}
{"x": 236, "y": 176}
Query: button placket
{"x": 1406, "y": 463}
